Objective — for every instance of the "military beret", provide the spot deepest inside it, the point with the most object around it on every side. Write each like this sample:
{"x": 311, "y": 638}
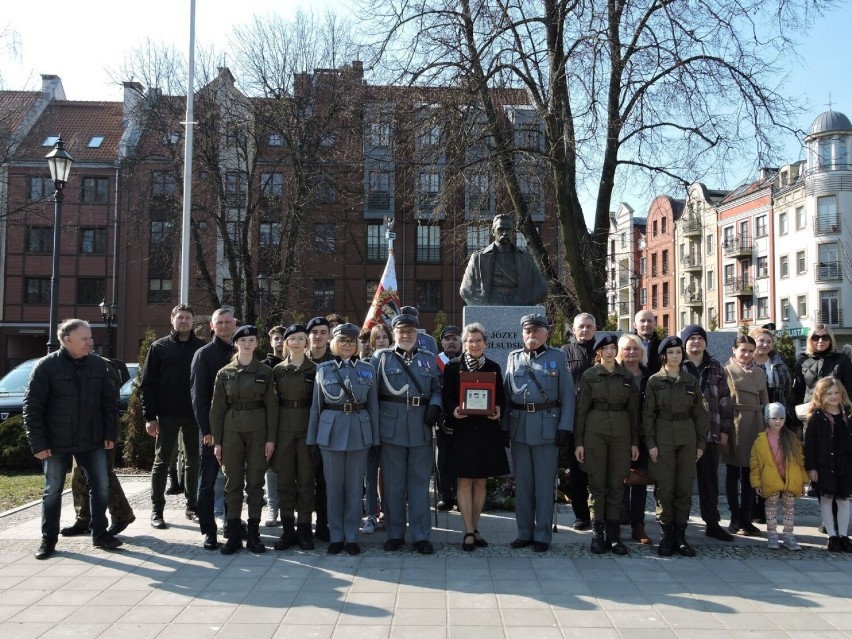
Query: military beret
{"x": 246, "y": 330}
{"x": 534, "y": 319}
{"x": 693, "y": 329}
{"x": 450, "y": 330}
{"x": 316, "y": 321}
{"x": 605, "y": 339}
{"x": 410, "y": 310}
{"x": 405, "y": 320}
{"x": 672, "y": 341}
{"x": 345, "y": 330}
{"x": 293, "y": 329}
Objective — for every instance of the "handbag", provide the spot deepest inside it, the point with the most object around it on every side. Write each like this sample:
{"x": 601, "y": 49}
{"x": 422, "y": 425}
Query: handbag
{"x": 638, "y": 477}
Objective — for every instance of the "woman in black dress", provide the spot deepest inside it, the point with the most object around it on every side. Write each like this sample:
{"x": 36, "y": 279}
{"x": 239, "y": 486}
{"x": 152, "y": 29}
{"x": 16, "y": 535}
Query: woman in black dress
{"x": 477, "y": 450}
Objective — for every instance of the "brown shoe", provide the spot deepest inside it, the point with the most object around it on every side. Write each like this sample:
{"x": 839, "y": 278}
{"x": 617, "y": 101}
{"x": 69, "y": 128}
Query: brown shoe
{"x": 640, "y": 535}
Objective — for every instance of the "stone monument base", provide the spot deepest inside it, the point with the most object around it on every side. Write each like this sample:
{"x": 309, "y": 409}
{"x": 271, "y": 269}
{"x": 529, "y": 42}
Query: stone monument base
{"x": 503, "y": 324}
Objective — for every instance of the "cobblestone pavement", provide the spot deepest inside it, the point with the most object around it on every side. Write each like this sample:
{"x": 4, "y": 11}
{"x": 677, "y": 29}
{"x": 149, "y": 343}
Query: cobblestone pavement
{"x": 163, "y": 584}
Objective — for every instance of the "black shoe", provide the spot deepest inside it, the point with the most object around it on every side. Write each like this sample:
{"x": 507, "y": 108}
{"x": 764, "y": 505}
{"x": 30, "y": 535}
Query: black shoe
{"x": 157, "y": 521}
{"x": 210, "y": 541}
{"x": 582, "y": 524}
{"x": 681, "y": 545}
{"x": 77, "y": 528}
{"x": 821, "y": 528}
{"x": 468, "y": 547}
{"x": 834, "y": 544}
{"x": 106, "y": 541}
{"x": 322, "y": 533}
{"x": 846, "y": 543}
{"x": 424, "y": 547}
{"x": 540, "y": 546}
{"x": 667, "y": 542}
{"x": 353, "y": 549}
{"x": 235, "y": 540}
{"x": 521, "y": 543}
{"x": 253, "y": 543}
{"x": 446, "y": 504}
{"x": 305, "y": 537}
{"x": 335, "y": 548}
{"x": 717, "y": 532}
{"x": 598, "y": 545}
{"x": 478, "y": 541}
{"x": 288, "y": 537}
{"x": 733, "y": 527}
{"x": 613, "y": 538}
{"x": 392, "y": 545}
{"x": 119, "y": 526}
{"x": 46, "y": 549}
{"x": 750, "y": 530}
{"x": 191, "y": 514}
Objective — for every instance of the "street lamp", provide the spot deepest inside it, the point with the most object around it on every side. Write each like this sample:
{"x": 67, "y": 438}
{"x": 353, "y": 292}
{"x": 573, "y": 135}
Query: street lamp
{"x": 60, "y": 168}
{"x": 261, "y": 289}
{"x": 109, "y": 313}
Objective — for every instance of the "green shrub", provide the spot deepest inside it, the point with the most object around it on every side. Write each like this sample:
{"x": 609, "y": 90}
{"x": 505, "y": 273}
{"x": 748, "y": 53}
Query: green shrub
{"x": 138, "y": 446}
{"x": 15, "y": 453}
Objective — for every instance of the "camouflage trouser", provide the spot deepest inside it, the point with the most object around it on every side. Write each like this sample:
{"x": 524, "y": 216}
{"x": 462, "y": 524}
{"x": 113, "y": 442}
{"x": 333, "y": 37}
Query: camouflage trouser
{"x": 118, "y": 506}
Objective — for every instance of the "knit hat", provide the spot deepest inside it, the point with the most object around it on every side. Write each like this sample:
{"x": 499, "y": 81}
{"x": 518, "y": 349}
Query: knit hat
{"x": 774, "y": 409}
{"x": 693, "y": 329}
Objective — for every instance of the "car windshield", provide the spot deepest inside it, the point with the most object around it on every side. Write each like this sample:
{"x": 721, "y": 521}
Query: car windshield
{"x": 127, "y": 389}
{"x": 16, "y": 380}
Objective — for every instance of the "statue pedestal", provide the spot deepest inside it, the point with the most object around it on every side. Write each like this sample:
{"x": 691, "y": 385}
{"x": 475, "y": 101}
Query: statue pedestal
{"x": 503, "y": 324}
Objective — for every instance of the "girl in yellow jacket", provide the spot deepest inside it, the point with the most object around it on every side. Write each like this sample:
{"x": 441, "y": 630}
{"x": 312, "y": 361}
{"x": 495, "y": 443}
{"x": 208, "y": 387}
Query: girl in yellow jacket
{"x": 778, "y": 473}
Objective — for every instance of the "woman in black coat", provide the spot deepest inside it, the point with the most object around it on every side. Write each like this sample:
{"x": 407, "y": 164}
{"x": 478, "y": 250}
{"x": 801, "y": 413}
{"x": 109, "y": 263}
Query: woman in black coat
{"x": 820, "y": 359}
{"x": 477, "y": 452}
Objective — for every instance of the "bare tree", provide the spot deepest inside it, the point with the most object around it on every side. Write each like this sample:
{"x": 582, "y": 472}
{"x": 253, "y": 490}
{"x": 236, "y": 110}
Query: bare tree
{"x": 654, "y": 92}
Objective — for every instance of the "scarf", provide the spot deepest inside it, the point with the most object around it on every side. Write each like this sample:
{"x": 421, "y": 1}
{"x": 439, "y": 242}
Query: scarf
{"x": 473, "y": 363}
{"x": 745, "y": 368}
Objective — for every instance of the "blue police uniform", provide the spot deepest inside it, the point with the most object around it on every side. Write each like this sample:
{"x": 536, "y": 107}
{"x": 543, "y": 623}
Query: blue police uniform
{"x": 535, "y": 416}
{"x": 344, "y": 424}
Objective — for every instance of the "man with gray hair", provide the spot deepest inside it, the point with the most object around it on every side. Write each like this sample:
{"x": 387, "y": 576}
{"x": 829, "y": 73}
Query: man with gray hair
{"x": 70, "y": 410}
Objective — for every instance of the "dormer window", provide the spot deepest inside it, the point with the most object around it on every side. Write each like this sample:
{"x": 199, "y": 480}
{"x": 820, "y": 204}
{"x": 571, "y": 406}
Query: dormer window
{"x": 50, "y": 140}
{"x": 171, "y": 138}
{"x": 95, "y": 141}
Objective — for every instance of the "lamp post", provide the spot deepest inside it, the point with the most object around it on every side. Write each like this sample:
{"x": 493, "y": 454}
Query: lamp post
{"x": 261, "y": 290}
{"x": 109, "y": 313}
{"x": 634, "y": 285}
{"x": 60, "y": 168}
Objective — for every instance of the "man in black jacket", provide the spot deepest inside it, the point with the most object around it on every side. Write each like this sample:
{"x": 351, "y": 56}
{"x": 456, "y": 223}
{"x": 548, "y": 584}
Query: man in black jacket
{"x": 167, "y": 405}
{"x": 580, "y": 349}
{"x": 205, "y": 364}
{"x": 70, "y": 410}
{"x": 646, "y": 328}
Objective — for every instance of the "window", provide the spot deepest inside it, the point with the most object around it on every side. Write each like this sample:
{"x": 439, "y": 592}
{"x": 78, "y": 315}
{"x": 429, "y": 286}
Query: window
{"x": 747, "y": 308}
{"x": 323, "y": 294}
{"x": 782, "y": 224}
{"x": 235, "y": 186}
{"x": 429, "y": 244}
{"x": 785, "y": 309}
{"x": 829, "y": 307}
{"x": 827, "y": 218}
{"x": 430, "y": 186}
{"x": 159, "y": 291}
{"x": 377, "y": 244}
{"x": 380, "y": 134}
{"x": 530, "y": 193}
{"x": 762, "y": 307}
{"x": 163, "y": 184}
{"x": 730, "y": 312}
{"x": 37, "y": 290}
{"x": 270, "y": 234}
{"x": 655, "y": 233}
{"x": 665, "y": 294}
{"x": 824, "y": 153}
{"x": 829, "y": 266}
{"x": 730, "y": 273}
{"x": 50, "y": 140}
{"x": 324, "y": 241}
{"x": 727, "y": 236}
{"x": 711, "y": 280}
{"x": 91, "y": 290}
{"x": 654, "y": 290}
{"x": 95, "y": 141}
{"x": 428, "y": 295}
{"x": 665, "y": 262}
{"x": 40, "y": 188}
{"x": 326, "y": 192}
{"x": 802, "y": 305}
{"x": 760, "y": 227}
{"x": 642, "y": 266}
{"x": 161, "y": 232}
{"x": 378, "y": 190}
{"x": 95, "y": 189}
{"x": 711, "y": 243}
{"x": 271, "y": 184}
{"x": 39, "y": 239}
{"x": 93, "y": 240}
{"x": 430, "y": 133}
{"x": 801, "y": 266}
{"x": 842, "y": 154}
{"x": 623, "y": 239}
{"x": 784, "y": 266}
{"x": 744, "y": 230}
{"x": 372, "y": 287}
{"x": 800, "y": 218}
{"x": 643, "y": 296}
{"x": 171, "y": 139}
{"x": 276, "y": 139}
{"x": 478, "y": 237}
{"x": 480, "y": 192}
{"x": 235, "y": 232}
{"x": 664, "y": 225}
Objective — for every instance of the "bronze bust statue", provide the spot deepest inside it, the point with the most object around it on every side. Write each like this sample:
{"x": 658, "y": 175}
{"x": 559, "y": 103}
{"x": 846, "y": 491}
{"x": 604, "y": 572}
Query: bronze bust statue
{"x": 502, "y": 274}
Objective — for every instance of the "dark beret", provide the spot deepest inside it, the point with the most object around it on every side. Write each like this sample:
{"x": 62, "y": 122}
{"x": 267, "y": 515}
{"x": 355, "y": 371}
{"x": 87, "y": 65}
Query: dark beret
{"x": 450, "y": 330}
{"x": 605, "y": 339}
{"x": 345, "y": 330}
{"x": 246, "y": 330}
{"x": 316, "y": 321}
{"x": 405, "y": 320}
{"x": 534, "y": 319}
{"x": 672, "y": 341}
{"x": 293, "y": 329}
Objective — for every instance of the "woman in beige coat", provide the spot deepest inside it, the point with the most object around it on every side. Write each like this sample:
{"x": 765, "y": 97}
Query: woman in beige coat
{"x": 747, "y": 384}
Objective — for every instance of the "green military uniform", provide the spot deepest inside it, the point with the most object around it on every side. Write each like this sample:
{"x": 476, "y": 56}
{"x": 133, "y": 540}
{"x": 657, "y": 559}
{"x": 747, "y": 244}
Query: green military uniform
{"x": 606, "y": 425}
{"x": 243, "y": 417}
{"x": 292, "y": 459}
{"x": 675, "y": 422}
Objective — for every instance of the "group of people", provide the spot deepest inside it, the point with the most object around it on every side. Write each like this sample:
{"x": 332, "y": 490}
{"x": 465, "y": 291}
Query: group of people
{"x": 337, "y": 420}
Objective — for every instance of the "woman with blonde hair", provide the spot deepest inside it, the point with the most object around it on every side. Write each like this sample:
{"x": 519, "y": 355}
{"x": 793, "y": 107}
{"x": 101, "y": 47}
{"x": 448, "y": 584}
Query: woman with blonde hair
{"x": 820, "y": 359}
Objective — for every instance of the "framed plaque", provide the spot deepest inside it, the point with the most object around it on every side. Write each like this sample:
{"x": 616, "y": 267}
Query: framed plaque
{"x": 477, "y": 393}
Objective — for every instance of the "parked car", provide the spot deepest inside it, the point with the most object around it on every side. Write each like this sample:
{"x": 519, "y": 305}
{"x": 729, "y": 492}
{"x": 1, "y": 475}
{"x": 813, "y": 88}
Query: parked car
{"x": 12, "y": 388}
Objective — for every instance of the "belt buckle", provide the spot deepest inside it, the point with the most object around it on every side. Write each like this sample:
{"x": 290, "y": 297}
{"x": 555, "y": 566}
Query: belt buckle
{"x": 415, "y": 401}
{"x": 348, "y": 408}
{"x": 530, "y": 407}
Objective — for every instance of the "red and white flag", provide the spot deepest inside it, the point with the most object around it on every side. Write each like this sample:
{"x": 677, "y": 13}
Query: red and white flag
{"x": 385, "y": 304}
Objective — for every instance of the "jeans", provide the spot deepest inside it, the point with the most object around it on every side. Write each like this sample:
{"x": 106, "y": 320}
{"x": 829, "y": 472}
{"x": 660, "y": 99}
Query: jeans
{"x": 94, "y": 465}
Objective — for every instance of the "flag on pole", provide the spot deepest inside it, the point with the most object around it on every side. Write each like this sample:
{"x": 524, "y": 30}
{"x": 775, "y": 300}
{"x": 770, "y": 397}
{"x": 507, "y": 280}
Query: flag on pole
{"x": 385, "y": 304}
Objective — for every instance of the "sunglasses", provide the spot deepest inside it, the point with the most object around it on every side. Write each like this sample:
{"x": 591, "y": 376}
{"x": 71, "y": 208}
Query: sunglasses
{"x": 820, "y": 338}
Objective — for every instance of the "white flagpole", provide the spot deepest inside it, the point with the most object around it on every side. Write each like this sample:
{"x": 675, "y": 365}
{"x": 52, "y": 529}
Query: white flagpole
{"x": 187, "y": 163}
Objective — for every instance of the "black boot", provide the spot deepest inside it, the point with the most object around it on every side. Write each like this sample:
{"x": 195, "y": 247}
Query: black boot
{"x": 598, "y": 546}
{"x": 666, "y": 547}
{"x": 306, "y": 537}
{"x": 254, "y": 543}
{"x": 680, "y": 544}
{"x": 613, "y": 538}
{"x": 234, "y": 542}
{"x": 174, "y": 487}
{"x": 210, "y": 541}
{"x": 288, "y": 536}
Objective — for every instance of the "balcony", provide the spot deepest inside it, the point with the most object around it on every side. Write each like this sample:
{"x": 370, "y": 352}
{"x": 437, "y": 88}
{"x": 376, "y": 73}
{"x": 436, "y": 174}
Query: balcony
{"x": 738, "y": 247}
{"x": 834, "y": 318}
{"x": 690, "y": 228}
{"x": 828, "y": 271}
{"x": 739, "y": 287}
{"x": 692, "y": 299}
{"x": 827, "y": 225}
{"x": 691, "y": 263}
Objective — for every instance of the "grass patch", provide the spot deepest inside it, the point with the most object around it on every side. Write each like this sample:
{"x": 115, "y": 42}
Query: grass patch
{"x": 21, "y": 488}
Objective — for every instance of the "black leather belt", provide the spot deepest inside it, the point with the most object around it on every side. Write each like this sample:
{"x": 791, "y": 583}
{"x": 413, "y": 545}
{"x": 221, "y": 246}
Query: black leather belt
{"x": 247, "y": 405}
{"x": 675, "y": 417}
{"x": 532, "y": 408}
{"x": 348, "y": 407}
{"x": 294, "y": 403}
{"x": 607, "y": 406}
{"x": 399, "y": 399}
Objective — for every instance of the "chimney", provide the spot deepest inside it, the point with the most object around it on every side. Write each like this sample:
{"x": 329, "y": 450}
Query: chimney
{"x": 133, "y": 92}
{"x": 51, "y": 87}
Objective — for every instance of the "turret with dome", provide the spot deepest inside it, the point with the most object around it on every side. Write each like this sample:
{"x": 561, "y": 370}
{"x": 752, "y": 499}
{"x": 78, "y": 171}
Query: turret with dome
{"x": 828, "y": 142}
